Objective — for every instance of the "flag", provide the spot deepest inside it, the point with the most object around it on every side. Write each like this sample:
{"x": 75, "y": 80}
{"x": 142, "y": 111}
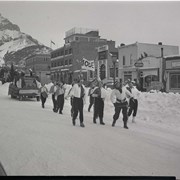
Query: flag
{"x": 52, "y": 42}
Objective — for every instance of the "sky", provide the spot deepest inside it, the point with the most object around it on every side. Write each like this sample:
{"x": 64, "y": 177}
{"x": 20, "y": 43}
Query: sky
{"x": 121, "y": 21}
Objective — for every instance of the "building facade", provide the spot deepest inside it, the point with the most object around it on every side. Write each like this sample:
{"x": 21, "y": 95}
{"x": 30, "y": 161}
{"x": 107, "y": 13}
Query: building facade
{"x": 172, "y": 73}
{"x": 79, "y": 43}
{"x": 40, "y": 66}
{"x": 143, "y": 62}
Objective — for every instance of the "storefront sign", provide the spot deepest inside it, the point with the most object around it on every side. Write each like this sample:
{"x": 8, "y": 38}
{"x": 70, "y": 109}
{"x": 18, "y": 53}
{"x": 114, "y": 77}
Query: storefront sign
{"x": 88, "y": 65}
{"x": 175, "y": 64}
{"x": 103, "y": 48}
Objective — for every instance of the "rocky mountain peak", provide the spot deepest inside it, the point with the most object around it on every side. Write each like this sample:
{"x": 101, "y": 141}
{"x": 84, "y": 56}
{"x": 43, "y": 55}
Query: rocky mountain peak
{"x": 6, "y": 24}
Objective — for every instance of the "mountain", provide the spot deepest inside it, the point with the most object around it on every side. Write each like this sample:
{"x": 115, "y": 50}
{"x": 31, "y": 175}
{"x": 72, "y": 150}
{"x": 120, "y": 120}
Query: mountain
{"x": 16, "y": 46}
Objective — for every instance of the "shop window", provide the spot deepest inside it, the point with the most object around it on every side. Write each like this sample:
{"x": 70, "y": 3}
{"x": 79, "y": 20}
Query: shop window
{"x": 175, "y": 81}
{"x": 91, "y": 74}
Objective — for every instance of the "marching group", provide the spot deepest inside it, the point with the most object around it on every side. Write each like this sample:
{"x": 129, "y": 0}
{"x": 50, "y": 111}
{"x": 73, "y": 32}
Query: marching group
{"x": 124, "y": 98}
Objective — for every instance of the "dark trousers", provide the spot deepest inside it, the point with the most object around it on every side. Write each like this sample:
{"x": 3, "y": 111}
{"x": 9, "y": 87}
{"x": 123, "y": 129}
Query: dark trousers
{"x": 72, "y": 106}
{"x": 133, "y": 106}
{"x": 78, "y": 107}
{"x": 60, "y": 103}
{"x": 54, "y": 102}
{"x": 98, "y": 109}
{"x": 43, "y": 100}
{"x": 117, "y": 112}
{"x": 91, "y": 102}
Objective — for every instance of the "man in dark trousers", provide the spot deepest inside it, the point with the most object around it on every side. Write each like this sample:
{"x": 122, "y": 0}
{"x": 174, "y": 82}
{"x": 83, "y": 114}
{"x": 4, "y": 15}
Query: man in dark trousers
{"x": 60, "y": 97}
{"x": 91, "y": 98}
{"x": 52, "y": 91}
{"x": 99, "y": 95}
{"x": 78, "y": 94}
{"x": 118, "y": 98}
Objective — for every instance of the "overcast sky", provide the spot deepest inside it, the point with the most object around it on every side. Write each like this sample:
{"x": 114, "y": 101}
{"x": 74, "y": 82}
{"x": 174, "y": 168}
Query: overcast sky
{"x": 123, "y": 22}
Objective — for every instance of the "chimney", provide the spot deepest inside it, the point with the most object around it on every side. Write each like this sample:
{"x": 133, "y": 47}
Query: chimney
{"x": 122, "y": 44}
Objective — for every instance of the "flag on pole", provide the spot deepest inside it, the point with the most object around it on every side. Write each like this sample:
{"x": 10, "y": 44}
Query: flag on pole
{"x": 52, "y": 42}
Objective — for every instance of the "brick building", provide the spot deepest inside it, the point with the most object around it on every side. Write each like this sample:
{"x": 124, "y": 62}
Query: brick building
{"x": 79, "y": 43}
{"x": 40, "y": 65}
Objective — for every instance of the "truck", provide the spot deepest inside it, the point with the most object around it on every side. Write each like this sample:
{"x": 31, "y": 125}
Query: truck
{"x": 25, "y": 87}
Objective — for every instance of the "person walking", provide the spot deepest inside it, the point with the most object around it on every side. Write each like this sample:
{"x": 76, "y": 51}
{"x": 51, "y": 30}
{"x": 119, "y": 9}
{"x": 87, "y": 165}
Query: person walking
{"x": 60, "y": 97}
{"x": 133, "y": 102}
{"x": 44, "y": 94}
{"x": 78, "y": 93}
{"x": 71, "y": 98}
{"x": 118, "y": 98}
{"x": 91, "y": 98}
{"x": 99, "y": 95}
{"x": 53, "y": 91}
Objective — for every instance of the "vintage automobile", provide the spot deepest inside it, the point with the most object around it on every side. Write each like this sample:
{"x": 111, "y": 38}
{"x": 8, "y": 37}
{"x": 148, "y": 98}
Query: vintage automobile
{"x": 27, "y": 89}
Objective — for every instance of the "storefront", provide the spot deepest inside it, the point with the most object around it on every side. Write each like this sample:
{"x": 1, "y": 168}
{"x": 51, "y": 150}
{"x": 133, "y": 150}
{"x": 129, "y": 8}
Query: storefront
{"x": 172, "y": 74}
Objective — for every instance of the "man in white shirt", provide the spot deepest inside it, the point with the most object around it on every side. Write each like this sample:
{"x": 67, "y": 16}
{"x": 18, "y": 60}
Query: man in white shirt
{"x": 133, "y": 102}
{"x": 118, "y": 98}
{"x": 78, "y": 94}
{"x": 52, "y": 91}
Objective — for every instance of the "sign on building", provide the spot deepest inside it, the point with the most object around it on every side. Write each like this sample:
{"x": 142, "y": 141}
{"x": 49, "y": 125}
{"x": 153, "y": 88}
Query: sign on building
{"x": 88, "y": 65}
{"x": 103, "y": 52}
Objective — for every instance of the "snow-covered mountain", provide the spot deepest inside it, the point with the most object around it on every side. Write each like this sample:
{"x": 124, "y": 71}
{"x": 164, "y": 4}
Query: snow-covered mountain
{"x": 15, "y": 45}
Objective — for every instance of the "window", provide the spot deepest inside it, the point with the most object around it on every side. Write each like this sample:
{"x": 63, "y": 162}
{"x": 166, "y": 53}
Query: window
{"x": 62, "y": 62}
{"x": 62, "y": 53}
{"x": 70, "y": 51}
{"x": 70, "y": 61}
{"x": 66, "y": 62}
{"x": 66, "y": 52}
{"x": 77, "y": 38}
{"x": 124, "y": 61}
{"x": 112, "y": 72}
{"x": 175, "y": 81}
{"x": 91, "y": 74}
{"x": 52, "y": 64}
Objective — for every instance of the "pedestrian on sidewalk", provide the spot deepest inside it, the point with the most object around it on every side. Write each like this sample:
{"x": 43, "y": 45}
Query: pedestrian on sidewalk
{"x": 79, "y": 95}
{"x": 53, "y": 91}
{"x": 44, "y": 94}
{"x": 60, "y": 97}
{"x": 133, "y": 102}
{"x": 91, "y": 98}
{"x": 119, "y": 98}
{"x": 99, "y": 95}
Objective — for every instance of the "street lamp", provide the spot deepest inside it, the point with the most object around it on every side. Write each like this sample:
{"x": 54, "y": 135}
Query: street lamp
{"x": 114, "y": 61}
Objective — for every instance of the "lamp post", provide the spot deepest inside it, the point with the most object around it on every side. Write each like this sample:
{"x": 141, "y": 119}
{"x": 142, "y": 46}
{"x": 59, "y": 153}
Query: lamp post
{"x": 114, "y": 61}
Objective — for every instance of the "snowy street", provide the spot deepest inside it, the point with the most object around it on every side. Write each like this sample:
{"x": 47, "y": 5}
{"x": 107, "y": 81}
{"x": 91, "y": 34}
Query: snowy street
{"x": 36, "y": 141}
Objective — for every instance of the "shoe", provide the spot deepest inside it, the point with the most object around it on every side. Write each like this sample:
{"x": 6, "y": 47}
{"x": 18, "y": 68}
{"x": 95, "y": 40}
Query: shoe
{"x": 42, "y": 106}
{"x": 102, "y": 123}
{"x": 73, "y": 122}
{"x": 82, "y": 125}
{"x": 133, "y": 120}
{"x": 113, "y": 124}
{"x": 94, "y": 121}
{"x": 60, "y": 113}
{"x": 126, "y": 127}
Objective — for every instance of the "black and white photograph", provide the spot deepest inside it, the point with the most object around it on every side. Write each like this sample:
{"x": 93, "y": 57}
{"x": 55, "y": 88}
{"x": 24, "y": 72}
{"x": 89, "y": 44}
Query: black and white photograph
{"x": 90, "y": 88}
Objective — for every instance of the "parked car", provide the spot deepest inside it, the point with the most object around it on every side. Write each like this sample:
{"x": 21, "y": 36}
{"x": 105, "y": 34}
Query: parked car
{"x": 28, "y": 89}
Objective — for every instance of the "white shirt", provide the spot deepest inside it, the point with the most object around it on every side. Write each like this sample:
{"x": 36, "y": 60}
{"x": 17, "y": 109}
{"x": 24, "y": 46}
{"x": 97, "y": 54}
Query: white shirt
{"x": 135, "y": 93}
{"x": 120, "y": 96}
{"x": 76, "y": 91}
